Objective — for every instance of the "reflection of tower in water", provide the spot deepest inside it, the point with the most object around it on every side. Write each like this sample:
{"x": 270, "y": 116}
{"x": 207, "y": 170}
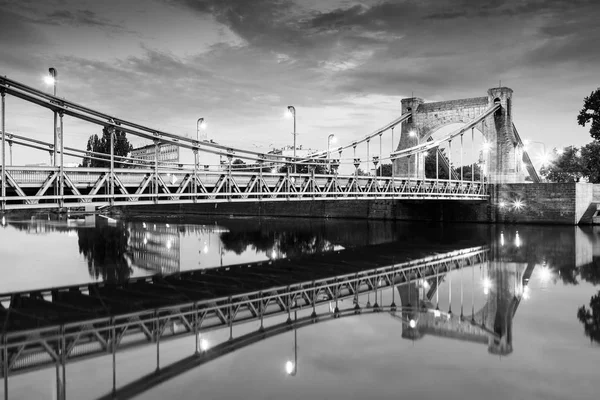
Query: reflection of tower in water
{"x": 154, "y": 247}
{"x": 503, "y": 287}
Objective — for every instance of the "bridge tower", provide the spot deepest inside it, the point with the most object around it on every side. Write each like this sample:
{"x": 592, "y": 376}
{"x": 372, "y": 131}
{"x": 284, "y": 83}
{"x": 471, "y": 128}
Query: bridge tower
{"x": 503, "y": 162}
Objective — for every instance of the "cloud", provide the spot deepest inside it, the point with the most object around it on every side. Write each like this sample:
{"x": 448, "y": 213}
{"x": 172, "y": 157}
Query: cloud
{"x": 84, "y": 18}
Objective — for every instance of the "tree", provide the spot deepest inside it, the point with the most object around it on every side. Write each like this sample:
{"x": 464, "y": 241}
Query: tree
{"x": 590, "y": 158}
{"x": 590, "y": 318}
{"x": 591, "y": 112}
{"x": 122, "y": 147}
{"x": 567, "y": 167}
{"x": 574, "y": 163}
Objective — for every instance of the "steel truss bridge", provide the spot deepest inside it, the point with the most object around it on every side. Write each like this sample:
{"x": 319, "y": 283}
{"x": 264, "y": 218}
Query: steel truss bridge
{"x": 52, "y": 327}
{"x": 129, "y": 180}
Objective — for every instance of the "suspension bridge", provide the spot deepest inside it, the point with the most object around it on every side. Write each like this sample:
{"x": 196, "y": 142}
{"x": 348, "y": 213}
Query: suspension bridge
{"x": 487, "y": 136}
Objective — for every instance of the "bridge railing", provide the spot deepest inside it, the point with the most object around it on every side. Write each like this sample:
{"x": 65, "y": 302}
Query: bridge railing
{"x": 38, "y": 187}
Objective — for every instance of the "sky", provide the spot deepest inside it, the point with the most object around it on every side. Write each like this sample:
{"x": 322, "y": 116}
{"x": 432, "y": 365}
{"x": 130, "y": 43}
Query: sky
{"x": 344, "y": 65}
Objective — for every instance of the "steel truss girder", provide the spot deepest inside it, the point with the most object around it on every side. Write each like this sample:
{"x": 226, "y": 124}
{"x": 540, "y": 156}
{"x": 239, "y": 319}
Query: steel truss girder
{"x": 141, "y": 188}
{"x": 33, "y": 349}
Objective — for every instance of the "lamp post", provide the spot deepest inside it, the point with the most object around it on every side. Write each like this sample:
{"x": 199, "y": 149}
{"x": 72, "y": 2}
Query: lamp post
{"x": 200, "y": 124}
{"x": 51, "y": 79}
{"x": 413, "y": 133}
{"x": 330, "y": 138}
{"x": 291, "y": 368}
{"x": 292, "y": 112}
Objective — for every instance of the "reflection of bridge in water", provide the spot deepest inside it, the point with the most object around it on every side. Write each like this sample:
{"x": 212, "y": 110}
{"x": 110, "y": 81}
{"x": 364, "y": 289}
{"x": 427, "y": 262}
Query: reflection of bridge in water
{"x": 55, "y": 326}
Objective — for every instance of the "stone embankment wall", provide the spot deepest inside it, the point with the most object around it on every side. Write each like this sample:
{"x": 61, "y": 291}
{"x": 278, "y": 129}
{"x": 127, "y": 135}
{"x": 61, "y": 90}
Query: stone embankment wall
{"x": 549, "y": 203}
{"x": 541, "y": 203}
{"x": 402, "y": 210}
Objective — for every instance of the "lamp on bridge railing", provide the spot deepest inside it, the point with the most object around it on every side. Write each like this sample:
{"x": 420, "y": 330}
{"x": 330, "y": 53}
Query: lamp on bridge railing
{"x": 291, "y": 112}
{"x": 330, "y": 139}
{"x": 50, "y": 79}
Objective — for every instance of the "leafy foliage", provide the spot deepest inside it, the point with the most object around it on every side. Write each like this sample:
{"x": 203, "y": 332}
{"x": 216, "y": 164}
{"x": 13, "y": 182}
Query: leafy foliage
{"x": 590, "y": 318}
{"x": 575, "y": 163}
{"x": 591, "y": 112}
{"x": 122, "y": 147}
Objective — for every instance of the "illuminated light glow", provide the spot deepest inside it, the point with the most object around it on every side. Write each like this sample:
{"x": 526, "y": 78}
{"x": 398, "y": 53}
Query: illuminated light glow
{"x": 526, "y": 294}
{"x": 49, "y": 79}
{"x": 273, "y": 255}
{"x": 425, "y": 284}
{"x": 487, "y": 284}
{"x": 526, "y": 142}
{"x": 205, "y": 249}
{"x": 545, "y": 274}
{"x": 168, "y": 226}
{"x": 289, "y": 367}
{"x": 502, "y": 239}
{"x": 518, "y": 240}
{"x": 273, "y": 170}
{"x": 412, "y": 133}
{"x": 144, "y": 225}
{"x": 145, "y": 241}
{"x": 436, "y": 313}
{"x": 412, "y": 323}
{"x": 560, "y": 152}
{"x": 203, "y": 344}
{"x": 486, "y": 146}
{"x": 3, "y": 220}
{"x": 168, "y": 245}
{"x": 544, "y": 158}
{"x": 202, "y": 125}
{"x": 518, "y": 204}
{"x": 502, "y": 204}
{"x": 426, "y": 153}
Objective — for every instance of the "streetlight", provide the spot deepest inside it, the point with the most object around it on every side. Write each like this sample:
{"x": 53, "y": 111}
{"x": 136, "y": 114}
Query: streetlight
{"x": 292, "y": 113}
{"x": 200, "y": 124}
{"x": 51, "y": 79}
{"x": 331, "y": 138}
{"x": 413, "y": 133}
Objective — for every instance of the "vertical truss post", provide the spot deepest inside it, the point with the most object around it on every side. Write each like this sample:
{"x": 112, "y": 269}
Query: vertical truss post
{"x": 195, "y": 185}
{"x": 3, "y": 176}
{"x": 461, "y": 290}
{"x": 113, "y": 332}
{"x": 449, "y": 293}
{"x": 473, "y": 294}
{"x": 261, "y": 311}
{"x": 437, "y": 165}
{"x": 111, "y": 131}
{"x": 5, "y": 363}
{"x": 393, "y": 174}
{"x": 196, "y": 338}
{"x": 62, "y": 161}
{"x": 473, "y": 155}
{"x": 461, "y": 157}
{"x": 376, "y": 304}
{"x": 157, "y": 336}
{"x": 230, "y": 318}
{"x": 380, "y": 155}
{"x": 367, "y": 163}
{"x": 229, "y": 158}
{"x": 156, "y": 152}
{"x": 449, "y": 160}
